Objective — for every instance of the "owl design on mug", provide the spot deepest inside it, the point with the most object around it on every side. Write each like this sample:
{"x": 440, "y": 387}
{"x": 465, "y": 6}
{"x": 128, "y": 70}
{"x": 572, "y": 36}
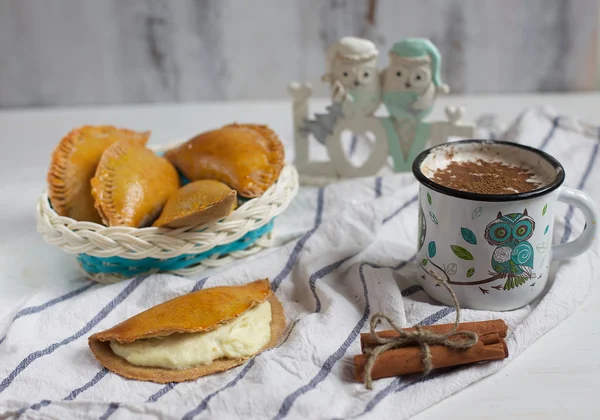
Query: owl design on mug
{"x": 513, "y": 256}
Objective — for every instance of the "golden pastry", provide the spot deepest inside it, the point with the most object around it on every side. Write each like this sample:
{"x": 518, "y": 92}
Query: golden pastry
{"x": 197, "y": 203}
{"x": 132, "y": 185}
{"x": 246, "y": 157}
{"x": 193, "y": 335}
{"x": 74, "y": 163}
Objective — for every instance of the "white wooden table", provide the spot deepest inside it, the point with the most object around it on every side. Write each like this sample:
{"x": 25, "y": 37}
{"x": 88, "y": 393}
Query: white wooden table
{"x": 558, "y": 377}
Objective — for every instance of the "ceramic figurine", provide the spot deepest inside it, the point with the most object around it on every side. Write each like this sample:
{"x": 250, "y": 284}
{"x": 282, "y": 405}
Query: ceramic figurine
{"x": 410, "y": 85}
{"x": 356, "y": 94}
{"x": 352, "y": 73}
{"x": 408, "y": 88}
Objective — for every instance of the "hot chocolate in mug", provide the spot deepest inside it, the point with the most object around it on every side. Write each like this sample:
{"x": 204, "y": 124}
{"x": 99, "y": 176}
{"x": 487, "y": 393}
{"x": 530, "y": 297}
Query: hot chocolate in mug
{"x": 493, "y": 249}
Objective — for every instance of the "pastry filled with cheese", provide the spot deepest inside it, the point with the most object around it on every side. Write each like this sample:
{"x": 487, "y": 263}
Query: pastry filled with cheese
{"x": 194, "y": 335}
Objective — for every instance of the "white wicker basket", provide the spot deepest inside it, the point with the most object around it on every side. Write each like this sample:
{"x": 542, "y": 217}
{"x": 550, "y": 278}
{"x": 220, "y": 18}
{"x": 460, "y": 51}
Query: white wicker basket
{"x": 159, "y": 246}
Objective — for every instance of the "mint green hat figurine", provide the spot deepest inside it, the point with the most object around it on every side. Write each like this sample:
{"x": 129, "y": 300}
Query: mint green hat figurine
{"x": 407, "y": 88}
{"x": 412, "y": 79}
{"x": 411, "y": 83}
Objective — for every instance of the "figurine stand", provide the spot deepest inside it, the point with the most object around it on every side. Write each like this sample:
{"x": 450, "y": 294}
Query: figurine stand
{"x": 407, "y": 88}
{"x": 339, "y": 167}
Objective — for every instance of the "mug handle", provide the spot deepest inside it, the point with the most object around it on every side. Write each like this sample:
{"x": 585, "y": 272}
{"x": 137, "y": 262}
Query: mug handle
{"x": 584, "y": 203}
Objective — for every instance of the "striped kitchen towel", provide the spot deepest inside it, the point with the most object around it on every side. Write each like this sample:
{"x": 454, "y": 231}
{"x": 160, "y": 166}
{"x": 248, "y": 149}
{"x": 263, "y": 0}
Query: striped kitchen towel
{"x": 351, "y": 257}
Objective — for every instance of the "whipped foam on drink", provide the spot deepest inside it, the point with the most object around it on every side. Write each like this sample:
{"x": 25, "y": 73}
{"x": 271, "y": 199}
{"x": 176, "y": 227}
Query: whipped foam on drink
{"x": 488, "y": 168}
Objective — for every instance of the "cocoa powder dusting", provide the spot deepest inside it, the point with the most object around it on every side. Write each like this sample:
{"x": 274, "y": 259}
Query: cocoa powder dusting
{"x": 486, "y": 177}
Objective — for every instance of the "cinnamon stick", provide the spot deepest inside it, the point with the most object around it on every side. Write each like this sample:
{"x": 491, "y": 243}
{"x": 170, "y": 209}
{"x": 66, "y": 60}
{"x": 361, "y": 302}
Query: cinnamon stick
{"x": 481, "y": 328}
{"x": 406, "y": 360}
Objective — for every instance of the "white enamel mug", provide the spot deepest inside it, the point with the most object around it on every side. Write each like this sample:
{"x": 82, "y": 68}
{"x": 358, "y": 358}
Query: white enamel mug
{"x": 493, "y": 250}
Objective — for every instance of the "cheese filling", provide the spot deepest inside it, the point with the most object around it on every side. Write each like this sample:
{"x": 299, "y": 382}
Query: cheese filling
{"x": 244, "y": 336}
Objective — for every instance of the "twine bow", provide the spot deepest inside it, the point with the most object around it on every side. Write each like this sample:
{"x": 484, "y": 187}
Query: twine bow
{"x": 459, "y": 340}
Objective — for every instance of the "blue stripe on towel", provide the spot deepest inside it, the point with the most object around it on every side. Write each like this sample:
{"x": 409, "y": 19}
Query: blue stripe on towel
{"x": 550, "y": 135}
{"x": 312, "y": 281}
{"x": 88, "y": 385}
{"x": 199, "y": 284}
{"x": 109, "y": 411}
{"x": 154, "y": 397}
{"x": 73, "y": 393}
{"x": 91, "y": 324}
{"x": 411, "y": 290}
{"x": 397, "y": 385}
{"x": 378, "y": 185}
{"x": 35, "y": 406}
{"x": 331, "y": 360}
{"x": 433, "y": 318}
{"x": 300, "y": 244}
{"x": 191, "y": 414}
{"x": 35, "y": 309}
{"x": 397, "y": 211}
{"x": 402, "y": 264}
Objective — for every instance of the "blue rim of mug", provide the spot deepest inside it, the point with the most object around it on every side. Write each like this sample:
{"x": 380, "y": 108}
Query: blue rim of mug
{"x": 557, "y": 182}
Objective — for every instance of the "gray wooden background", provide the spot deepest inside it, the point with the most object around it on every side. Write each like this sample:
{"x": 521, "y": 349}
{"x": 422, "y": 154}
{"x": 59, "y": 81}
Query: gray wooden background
{"x": 78, "y": 52}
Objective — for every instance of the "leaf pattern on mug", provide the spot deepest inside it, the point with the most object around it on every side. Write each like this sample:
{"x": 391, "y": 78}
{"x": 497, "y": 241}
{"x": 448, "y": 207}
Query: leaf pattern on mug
{"x": 515, "y": 281}
{"x": 477, "y": 212}
{"x": 431, "y": 249}
{"x": 470, "y": 272}
{"x": 545, "y": 209}
{"x": 542, "y": 247}
{"x": 429, "y": 199}
{"x": 461, "y": 252}
{"x": 424, "y": 262}
{"x": 451, "y": 269}
{"x": 468, "y": 235}
{"x": 546, "y": 230}
{"x": 433, "y": 218}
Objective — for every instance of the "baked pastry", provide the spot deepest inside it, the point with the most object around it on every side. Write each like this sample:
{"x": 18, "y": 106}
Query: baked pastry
{"x": 247, "y": 157}
{"x": 197, "y": 203}
{"x": 132, "y": 185}
{"x": 74, "y": 163}
{"x": 193, "y": 335}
